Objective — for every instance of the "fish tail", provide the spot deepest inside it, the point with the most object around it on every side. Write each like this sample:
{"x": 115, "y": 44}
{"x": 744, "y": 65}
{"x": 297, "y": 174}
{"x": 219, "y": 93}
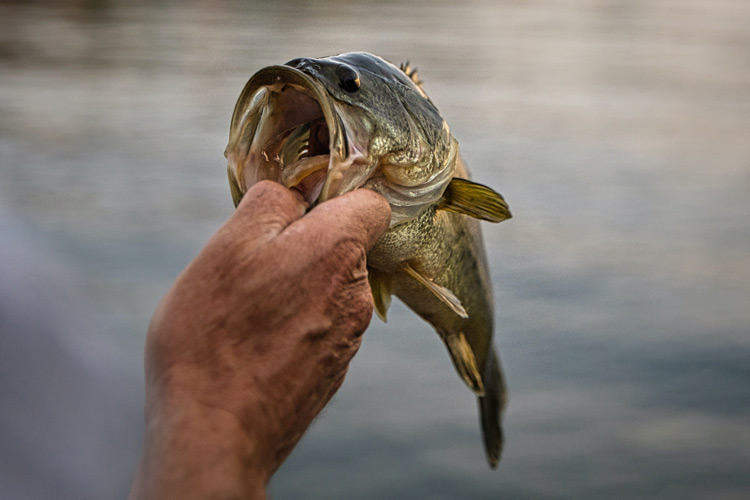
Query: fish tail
{"x": 491, "y": 407}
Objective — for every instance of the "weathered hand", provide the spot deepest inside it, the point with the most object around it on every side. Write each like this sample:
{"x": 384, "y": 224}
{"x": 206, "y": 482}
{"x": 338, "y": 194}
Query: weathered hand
{"x": 253, "y": 339}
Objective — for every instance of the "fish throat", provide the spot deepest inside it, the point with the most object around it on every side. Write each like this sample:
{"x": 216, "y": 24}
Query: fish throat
{"x": 291, "y": 143}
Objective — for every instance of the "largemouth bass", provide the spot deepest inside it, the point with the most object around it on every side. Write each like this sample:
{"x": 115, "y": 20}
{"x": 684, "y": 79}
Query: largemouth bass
{"x": 329, "y": 126}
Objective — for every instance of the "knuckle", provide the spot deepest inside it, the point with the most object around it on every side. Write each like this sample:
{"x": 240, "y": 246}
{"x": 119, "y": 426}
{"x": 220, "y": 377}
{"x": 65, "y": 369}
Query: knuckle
{"x": 350, "y": 258}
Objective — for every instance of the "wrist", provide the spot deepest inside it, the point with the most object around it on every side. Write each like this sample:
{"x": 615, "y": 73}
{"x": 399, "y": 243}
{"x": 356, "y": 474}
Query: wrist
{"x": 196, "y": 450}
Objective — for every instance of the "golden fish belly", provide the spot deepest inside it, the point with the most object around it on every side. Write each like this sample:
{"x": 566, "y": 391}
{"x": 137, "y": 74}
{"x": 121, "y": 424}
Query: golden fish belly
{"x": 447, "y": 249}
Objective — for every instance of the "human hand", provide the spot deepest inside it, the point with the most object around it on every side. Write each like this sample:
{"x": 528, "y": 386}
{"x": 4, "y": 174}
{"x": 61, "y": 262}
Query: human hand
{"x": 253, "y": 340}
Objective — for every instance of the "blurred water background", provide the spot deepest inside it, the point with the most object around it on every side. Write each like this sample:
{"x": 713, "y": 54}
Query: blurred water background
{"x": 619, "y": 132}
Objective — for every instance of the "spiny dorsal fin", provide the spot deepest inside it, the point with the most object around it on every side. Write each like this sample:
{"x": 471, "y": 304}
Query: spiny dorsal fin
{"x": 475, "y": 200}
{"x": 412, "y": 73}
{"x": 465, "y": 362}
{"x": 380, "y": 284}
{"x": 446, "y": 296}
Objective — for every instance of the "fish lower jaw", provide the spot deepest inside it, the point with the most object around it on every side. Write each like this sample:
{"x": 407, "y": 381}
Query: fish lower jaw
{"x": 306, "y": 175}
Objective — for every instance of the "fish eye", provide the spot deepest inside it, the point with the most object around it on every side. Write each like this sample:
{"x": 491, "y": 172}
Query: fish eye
{"x": 348, "y": 78}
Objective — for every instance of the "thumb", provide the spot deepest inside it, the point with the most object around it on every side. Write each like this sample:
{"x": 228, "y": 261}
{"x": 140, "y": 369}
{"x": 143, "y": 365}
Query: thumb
{"x": 362, "y": 215}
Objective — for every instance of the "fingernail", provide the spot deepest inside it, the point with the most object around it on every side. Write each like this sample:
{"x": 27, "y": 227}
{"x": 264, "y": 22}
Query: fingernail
{"x": 300, "y": 196}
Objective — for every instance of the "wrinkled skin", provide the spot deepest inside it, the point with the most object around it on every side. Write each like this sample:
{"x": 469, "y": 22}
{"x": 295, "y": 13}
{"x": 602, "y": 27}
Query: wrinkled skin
{"x": 253, "y": 339}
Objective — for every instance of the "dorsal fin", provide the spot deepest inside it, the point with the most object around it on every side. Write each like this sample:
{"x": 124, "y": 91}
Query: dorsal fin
{"x": 412, "y": 73}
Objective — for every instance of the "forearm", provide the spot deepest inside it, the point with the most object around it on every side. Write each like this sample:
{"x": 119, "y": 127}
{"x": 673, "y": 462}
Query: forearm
{"x": 252, "y": 340}
{"x": 194, "y": 451}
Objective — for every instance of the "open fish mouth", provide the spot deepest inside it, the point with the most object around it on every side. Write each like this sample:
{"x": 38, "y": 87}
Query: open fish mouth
{"x": 286, "y": 129}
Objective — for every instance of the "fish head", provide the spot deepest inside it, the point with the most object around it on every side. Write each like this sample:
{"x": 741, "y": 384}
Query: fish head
{"x": 331, "y": 125}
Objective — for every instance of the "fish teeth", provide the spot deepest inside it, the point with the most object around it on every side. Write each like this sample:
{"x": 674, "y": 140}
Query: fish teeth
{"x": 296, "y": 145}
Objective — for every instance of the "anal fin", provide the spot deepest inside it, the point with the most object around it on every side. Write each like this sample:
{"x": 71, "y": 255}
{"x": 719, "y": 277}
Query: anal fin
{"x": 465, "y": 362}
{"x": 443, "y": 294}
{"x": 465, "y": 197}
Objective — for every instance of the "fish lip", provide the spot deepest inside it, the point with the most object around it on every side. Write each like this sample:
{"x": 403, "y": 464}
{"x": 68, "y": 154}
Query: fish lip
{"x": 273, "y": 77}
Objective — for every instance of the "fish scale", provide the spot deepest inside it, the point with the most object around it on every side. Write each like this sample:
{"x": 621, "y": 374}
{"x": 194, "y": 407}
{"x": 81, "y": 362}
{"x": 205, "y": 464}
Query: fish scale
{"x": 295, "y": 145}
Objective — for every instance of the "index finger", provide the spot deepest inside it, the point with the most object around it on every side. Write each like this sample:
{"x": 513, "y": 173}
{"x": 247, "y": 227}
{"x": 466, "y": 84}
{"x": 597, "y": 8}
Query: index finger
{"x": 266, "y": 209}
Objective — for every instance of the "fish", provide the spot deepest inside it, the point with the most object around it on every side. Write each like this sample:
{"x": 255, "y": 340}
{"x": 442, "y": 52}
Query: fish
{"x": 326, "y": 126}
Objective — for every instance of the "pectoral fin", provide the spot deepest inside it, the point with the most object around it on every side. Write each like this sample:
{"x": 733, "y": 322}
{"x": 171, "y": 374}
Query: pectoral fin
{"x": 475, "y": 200}
{"x": 465, "y": 362}
{"x": 442, "y": 293}
{"x": 380, "y": 284}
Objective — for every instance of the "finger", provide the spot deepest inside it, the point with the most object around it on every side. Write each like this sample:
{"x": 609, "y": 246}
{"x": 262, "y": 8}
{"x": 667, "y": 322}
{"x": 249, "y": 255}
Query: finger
{"x": 266, "y": 210}
{"x": 361, "y": 215}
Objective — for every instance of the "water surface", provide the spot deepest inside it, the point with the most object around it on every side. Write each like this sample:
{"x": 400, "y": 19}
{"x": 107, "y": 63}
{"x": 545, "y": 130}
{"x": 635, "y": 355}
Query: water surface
{"x": 618, "y": 132}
